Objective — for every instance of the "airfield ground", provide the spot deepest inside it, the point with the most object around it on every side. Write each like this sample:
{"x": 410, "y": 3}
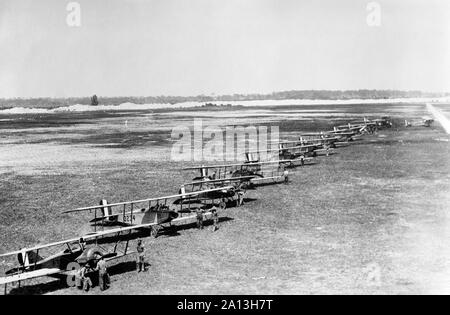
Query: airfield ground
{"x": 373, "y": 218}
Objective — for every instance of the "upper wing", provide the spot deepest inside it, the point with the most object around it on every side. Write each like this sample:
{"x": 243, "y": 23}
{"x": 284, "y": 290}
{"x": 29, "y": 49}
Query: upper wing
{"x": 192, "y": 194}
{"x": 231, "y": 179}
{"x": 40, "y": 247}
{"x": 210, "y": 166}
{"x": 283, "y": 149}
{"x": 238, "y": 164}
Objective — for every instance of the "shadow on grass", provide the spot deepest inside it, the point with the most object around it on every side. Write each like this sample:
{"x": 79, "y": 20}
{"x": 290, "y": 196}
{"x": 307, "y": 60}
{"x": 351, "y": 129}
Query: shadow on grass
{"x": 174, "y": 230}
{"x": 270, "y": 184}
{"x": 297, "y": 167}
{"x": 37, "y": 289}
{"x": 123, "y": 267}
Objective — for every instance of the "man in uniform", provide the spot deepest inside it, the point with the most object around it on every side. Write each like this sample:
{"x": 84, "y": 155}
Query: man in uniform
{"x": 199, "y": 219}
{"x": 286, "y": 176}
{"x": 82, "y": 244}
{"x": 302, "y": 160}
{"x": 215, "y": 218}
{"x": 327, "y": 148}
{"x": 240, "y": 198}
{"x": 103, "y": 276}
{"x": 141, "y": 256}
{"x": 85, "y": 277}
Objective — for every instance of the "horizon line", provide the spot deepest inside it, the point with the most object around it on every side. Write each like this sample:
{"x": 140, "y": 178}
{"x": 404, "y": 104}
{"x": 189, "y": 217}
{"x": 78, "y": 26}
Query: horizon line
{"x": 214, "y": 95}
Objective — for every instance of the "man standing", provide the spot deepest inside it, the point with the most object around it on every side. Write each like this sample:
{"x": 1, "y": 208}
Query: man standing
{"x": 215, "y": 218}
{"x": 327, "y": 149}
{"x": 85, "y": 277}
{"x": 199, "y": 219}
{"x": 240, "y": 198}
{"x": 286, "y": 176}
{"x": 103, "y": 276}
{"x": 141, "y": 256}
{"x": 82, "y": 244}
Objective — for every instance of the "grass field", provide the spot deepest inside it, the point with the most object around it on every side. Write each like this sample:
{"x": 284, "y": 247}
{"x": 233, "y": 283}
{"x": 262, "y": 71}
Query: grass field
{"x": 372, "y": 218}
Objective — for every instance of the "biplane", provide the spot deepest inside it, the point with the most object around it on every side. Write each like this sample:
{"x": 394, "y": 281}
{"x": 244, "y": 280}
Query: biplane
{"x": 282, "y": 157}
{"x": 383, "y": 122}
{"x": 293, "y": 152}
{"x": 322, "y": 140}
{"x": 343, "y": 134}
{"x": 263, "y": 172}
{"x": 328, "y": 138}
{"x": 160, "y": 212}
{"x": 235, "y": 195}
{"x": 424, "y": 122}
{"x": 353, "y": 131}
{"x": 364, "y": 127}
{"x": 340, "y": 135}
{"x": 372, "y": 124}
{"x": 68, "y": 255}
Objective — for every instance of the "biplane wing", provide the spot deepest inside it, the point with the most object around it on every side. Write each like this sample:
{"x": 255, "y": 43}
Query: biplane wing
{"x": 252, "y": 166}
{"x": 209, "y": 166}
{"x": 284, "y": 149}
{"x": 203, "y": 195}
{"x": 308, "y": 138}
{"x": 38, "y": 247}
{"x": 315, "y": 134}
{"x": 186, "y": 195}
{"x": 222, "y": 180}
{"x": 234, "y": 165}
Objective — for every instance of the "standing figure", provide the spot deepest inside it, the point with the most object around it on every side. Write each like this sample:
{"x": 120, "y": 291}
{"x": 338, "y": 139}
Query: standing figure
{"x": 85, "y": 277}
{"x": 240, "y": 198}
{"x": 215, "y": 218}
{"x": 82, "y": 244}
{"x": 327, "y": 148}
{"x": 286, "y": 176}
{"x": 199, "y": 219}
{"x": 141, "y": 256}
{"x": 103, "y": 276}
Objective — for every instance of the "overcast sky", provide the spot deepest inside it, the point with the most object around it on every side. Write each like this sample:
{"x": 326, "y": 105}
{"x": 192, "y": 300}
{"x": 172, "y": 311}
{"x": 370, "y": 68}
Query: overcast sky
{"x": 190, "y": 47}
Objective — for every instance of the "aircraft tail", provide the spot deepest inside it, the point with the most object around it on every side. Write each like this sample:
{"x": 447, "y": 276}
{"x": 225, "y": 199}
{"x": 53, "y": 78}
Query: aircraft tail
{"x": 182, "y": 191}
{"x": 27, "y": 258}
{"x": 107, "y": 211}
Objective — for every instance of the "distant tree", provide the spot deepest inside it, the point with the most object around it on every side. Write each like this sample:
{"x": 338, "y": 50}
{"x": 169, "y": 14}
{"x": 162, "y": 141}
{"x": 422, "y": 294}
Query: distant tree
{"x": 94, "y": 100}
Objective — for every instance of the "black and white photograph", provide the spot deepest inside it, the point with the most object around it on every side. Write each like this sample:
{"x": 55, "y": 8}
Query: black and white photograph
{"x": 243, "y": 149}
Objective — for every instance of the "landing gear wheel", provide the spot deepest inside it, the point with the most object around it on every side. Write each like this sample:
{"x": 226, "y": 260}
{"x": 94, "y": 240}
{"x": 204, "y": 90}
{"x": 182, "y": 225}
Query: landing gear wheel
{"x": 222, "y": 205}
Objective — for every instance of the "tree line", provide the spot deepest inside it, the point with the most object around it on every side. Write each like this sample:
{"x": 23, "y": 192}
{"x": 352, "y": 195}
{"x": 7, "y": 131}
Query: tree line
{"x": 44, "y": 102}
